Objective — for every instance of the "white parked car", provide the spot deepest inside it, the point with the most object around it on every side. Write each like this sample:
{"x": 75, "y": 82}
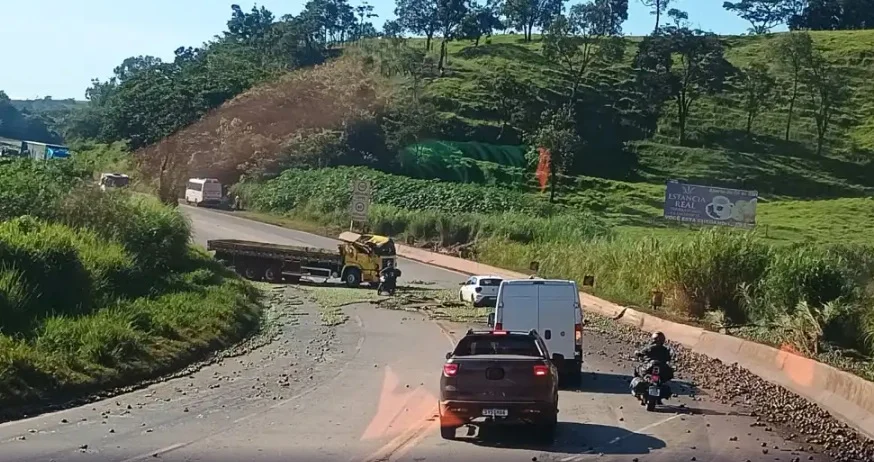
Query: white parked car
{"x": 480, "y": 290}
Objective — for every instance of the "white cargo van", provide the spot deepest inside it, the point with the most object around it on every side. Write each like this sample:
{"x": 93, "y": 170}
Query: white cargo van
{"x": 206, "y": 191}
{"x": 552, "y": 307}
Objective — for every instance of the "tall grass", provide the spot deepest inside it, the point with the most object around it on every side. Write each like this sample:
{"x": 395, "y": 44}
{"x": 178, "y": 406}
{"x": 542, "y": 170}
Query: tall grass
{"x": 814, "y": 297}
{"x": 100, "y": 289}
{"x": 447, "y": 214}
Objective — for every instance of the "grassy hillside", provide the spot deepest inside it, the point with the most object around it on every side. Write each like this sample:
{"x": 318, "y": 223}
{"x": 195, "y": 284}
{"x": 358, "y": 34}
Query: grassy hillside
{"x": 718, "y": 151}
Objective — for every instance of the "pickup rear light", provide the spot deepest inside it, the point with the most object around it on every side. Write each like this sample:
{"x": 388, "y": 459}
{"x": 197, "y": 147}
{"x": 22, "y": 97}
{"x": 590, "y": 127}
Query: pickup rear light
{"x": 499, "y": 332}
{"x": 578, "y": 334}
{"x": 499, "y": 326}
{"x": 540, "y": 370}
{"x": 450, "y": 369}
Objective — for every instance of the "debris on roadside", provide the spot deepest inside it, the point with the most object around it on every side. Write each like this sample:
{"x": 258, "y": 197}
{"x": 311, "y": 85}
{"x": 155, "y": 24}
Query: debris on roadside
{"x": 771, "y": 404}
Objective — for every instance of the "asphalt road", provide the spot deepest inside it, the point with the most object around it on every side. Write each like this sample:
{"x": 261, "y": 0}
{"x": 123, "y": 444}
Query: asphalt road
{"x": 365, "y": 391}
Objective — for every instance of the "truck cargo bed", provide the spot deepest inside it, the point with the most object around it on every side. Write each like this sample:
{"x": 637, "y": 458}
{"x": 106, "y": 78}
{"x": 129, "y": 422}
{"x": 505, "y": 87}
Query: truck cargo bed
{"x": 271, "y": 251}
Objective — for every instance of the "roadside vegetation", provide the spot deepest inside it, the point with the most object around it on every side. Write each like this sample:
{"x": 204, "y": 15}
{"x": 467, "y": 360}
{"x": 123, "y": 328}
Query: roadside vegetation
{"x": 99, "y": 290}
{"x": 551, "y": 147}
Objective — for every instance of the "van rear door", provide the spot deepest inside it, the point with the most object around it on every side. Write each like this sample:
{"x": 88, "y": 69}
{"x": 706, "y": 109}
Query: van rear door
{"x": 517, "y": 306}
{"x": 557, "y": 316}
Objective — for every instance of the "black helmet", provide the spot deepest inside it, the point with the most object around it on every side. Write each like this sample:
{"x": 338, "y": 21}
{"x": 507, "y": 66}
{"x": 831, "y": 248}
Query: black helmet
{"x": 658, "y": 338}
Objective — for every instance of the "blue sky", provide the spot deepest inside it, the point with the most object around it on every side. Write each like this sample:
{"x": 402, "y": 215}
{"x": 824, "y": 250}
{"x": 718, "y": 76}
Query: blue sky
{"x": 55, "y": 47}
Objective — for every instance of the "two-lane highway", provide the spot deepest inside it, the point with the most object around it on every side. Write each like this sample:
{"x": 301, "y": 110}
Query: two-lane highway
{"x": 367, "y": 391}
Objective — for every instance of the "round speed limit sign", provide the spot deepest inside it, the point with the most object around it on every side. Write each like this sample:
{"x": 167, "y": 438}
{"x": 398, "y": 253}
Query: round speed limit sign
{"x": 361, "y": 187}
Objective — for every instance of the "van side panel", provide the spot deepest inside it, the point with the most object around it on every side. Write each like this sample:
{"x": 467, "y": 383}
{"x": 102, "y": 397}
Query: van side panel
{"x": 517, "y": 307}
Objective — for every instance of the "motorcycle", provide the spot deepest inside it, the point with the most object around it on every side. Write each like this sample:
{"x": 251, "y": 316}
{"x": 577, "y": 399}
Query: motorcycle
{"x": 384, "y": 286}
{"x": 650, "y": 386}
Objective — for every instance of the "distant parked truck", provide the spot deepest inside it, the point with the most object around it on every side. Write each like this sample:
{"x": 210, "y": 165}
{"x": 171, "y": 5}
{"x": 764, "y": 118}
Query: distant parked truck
{"x": 43, "y": 151}
{"x": 358, "y": 258}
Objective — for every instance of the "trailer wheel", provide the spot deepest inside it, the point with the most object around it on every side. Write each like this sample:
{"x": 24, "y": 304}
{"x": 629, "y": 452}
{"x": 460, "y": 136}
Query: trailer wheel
{"x": 253, "y": 272}
{"x": 273, "y": 274}
{"x": 352, "y": 278}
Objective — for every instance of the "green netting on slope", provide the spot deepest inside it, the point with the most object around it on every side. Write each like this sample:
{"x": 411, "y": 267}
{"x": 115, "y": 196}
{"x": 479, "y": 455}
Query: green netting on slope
{"x": 466, "y": 162}
{"x": 507, "y": 155}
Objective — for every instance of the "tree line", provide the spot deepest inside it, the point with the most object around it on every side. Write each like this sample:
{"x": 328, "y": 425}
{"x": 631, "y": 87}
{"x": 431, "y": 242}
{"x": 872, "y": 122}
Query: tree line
{"x": 764, "y": 15}
{"x": 20, "y": 123}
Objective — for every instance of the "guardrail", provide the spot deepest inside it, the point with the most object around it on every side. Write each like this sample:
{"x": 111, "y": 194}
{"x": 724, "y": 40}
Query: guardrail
{"x": 846, "y": 396}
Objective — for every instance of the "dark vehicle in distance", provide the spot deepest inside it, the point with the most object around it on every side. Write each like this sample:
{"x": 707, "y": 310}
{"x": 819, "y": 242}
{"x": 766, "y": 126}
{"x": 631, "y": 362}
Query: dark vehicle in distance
{"x": 500, "y": 376}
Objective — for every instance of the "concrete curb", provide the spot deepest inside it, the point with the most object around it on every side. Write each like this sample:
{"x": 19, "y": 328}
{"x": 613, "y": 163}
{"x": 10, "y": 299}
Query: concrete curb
{"x": 846, "y": 396}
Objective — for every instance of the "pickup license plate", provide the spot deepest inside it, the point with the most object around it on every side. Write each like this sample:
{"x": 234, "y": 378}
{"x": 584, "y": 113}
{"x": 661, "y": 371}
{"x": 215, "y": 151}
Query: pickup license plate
{"x": 495, "y": 412}
{"x": 654, "y": 391}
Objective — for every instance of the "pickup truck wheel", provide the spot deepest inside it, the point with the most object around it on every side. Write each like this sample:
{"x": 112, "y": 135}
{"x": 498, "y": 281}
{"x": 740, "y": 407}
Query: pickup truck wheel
{"x": 352, "y": 278}
{"x": 545, "y": 432}
{"x": 273, "y": 274}
{"x": 446, "y": 432}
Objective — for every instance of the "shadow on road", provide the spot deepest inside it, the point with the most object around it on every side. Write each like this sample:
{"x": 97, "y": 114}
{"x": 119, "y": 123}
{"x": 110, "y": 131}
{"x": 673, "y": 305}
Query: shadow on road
{"x": 572, "y": 438}
{"x": 610, "y": 383}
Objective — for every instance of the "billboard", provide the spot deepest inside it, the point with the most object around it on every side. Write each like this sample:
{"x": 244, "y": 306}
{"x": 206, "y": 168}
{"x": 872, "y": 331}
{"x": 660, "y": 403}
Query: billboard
{"x": 707, "y": 205}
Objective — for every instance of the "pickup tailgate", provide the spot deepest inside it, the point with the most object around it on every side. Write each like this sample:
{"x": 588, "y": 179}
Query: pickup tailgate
{"x": 499, "y": 378}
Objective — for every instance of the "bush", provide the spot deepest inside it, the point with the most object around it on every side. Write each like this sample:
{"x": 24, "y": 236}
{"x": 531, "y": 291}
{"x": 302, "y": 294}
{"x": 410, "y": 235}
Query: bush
{"x": 101, "y": 289}
{"x": 32, "y": 188}
{"x": 332, "y": 187}
{"x": 153, "y": 233}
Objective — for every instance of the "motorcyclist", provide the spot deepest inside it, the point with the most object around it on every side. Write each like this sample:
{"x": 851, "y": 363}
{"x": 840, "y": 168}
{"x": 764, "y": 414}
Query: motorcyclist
{"x": 656, "y": 351}
{"x": 388, "y": 278}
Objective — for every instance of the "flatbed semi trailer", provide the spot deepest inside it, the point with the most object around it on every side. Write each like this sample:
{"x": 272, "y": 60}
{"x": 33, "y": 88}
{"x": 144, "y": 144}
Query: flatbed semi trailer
{"x": 358, "y": 258}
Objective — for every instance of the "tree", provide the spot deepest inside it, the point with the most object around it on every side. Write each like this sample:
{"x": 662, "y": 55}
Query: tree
{"x": 826, "y": 87}
{"x": 392, "y": 29}
{"x": 480, "y": 21}
{"x": 616, "y": 12}
{"x": 657, "y": 7}
{"x": 557, "y": 135}
{"x": 764, "y": 15}
{"x": 450, "y": 13}
{"x": 508, "y": 96}
{"x": 792, "y": 52}
{"x": 130, "y": 67}
{"x": 418, "y": 17}
{"x": 581, "y": 39}
{"x": 680, "y": 17}
{"x": 833, "y": 15}
{"x": 365, "y": 11}
{"x": 525, "y": 15}
{"x": 686, "y": 64}
{"x": 757, "y": 86}
{"x": 248, "y": 27}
